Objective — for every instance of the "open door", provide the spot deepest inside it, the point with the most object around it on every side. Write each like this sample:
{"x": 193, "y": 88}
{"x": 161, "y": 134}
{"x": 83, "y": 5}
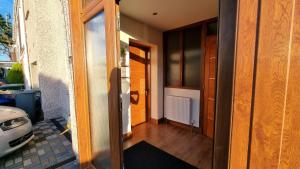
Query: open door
{"x": 95, "y": 43}
{"x": 138, "y": 89}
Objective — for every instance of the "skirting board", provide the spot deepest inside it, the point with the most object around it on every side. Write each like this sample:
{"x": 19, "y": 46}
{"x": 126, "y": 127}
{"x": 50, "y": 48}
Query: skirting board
{"x": 157, "y": 121}
{"x": 184, "y": 126}
{"x": 127, "y": 136}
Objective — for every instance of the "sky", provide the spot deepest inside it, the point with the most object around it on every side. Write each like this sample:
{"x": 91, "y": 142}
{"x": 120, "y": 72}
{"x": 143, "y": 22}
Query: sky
{"x": 6, "y": 7}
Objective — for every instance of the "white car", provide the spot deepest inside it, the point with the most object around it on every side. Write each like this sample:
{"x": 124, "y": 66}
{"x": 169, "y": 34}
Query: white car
{"x": 15, "y": 129}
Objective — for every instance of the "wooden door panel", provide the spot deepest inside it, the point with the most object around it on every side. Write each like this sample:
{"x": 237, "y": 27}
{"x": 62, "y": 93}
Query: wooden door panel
{"x": 211, "y": 88}
{"x": 212, "y": 67}
{"x": 210, "y": 128}
{"x": 211, "y": 109}
{"x": 210, "y": 82}
{"x": 137, "y": 85}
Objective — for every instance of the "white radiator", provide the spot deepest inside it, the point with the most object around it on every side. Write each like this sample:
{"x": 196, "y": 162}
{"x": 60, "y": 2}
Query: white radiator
{"x": 178, "y": 109}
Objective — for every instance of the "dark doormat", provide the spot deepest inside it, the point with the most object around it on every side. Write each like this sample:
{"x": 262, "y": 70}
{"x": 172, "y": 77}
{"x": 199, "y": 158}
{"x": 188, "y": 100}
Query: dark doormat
{"x": 145, "y": 156}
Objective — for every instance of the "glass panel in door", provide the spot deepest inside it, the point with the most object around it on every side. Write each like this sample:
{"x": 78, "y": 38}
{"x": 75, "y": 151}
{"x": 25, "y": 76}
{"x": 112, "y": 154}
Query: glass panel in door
{"x": 95, "y": 47}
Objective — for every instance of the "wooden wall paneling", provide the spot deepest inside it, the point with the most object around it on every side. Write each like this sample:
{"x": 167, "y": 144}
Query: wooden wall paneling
{"x": 226, "y": 53}
{"x": 272, "y": 70}
{"x": 290, "y": 149}
{"x": 243, "y": 82}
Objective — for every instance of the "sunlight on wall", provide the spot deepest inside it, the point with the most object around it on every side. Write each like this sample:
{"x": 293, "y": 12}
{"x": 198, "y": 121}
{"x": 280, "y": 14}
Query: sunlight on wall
{"x": 124, "y": 37}
{"x": 125, "y": 84}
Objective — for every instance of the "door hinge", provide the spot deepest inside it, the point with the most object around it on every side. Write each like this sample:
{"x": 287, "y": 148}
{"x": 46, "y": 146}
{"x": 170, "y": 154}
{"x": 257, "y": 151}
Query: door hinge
{"x": 118, "y": 21}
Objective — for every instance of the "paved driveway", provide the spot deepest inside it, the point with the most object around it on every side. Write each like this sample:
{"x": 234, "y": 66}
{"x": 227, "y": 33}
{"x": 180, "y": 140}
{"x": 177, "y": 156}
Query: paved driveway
{"x": 48, "y": 150}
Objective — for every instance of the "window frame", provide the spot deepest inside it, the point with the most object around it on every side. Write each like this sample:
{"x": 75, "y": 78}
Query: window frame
{"x": 202, "y": 26}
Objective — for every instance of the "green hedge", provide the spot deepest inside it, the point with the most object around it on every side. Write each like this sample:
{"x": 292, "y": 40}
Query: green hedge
{"x": 15, "y": 74}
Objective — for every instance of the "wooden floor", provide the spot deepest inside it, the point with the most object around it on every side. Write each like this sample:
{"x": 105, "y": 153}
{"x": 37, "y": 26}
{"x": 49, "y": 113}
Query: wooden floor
{"x": 181, "y": 143}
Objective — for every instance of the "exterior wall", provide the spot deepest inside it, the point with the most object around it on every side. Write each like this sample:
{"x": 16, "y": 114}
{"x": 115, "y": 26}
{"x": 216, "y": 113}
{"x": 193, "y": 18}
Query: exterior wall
{"x": 132, "y": 29}
{"x": 47, "y": 35}
{"x": 47, "y": 49}
{"x": 21, "y": 44}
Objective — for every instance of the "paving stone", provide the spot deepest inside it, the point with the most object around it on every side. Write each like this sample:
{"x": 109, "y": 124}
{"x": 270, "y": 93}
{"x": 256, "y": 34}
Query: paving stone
{"x": 51, "y": 137}
{"x": 41, "y": 152}
{"x": 36, "y": 167}
{"x": 33, "y": 150}
{"x": 45, "y": 163}
{"x": 18, "y": 159}
{"x": 19, "y": 166}
{"x": 66, "y": 143}
{"x": 44, "y": 142}
{"x": 35, "y": 160}
{"x": 9, "y": 163}
{"x": 56, "y": 151}
{"x": 27, "y": 162}
{"x": 48, "y": 146}
{"x": 26, "y": 152}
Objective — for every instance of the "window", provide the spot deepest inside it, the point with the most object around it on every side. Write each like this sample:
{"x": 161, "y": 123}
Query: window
{"x": 191, "y": 57}
{"x": 183, "y": 58}
{"x": 174, "y": 57}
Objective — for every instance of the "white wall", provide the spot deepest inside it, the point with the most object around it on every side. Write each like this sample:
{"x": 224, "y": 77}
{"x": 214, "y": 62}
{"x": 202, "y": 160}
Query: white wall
{"x": 23, "y": 45}
{"x": 193, "y": 94}
{"x": 46, "y": 32}
{"x": 48, "y": 52}
{"x": 133, "y": 29}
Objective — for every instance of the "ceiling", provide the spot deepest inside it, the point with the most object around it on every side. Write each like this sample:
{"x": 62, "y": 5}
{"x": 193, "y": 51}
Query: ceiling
{"x": 170, "y": 13}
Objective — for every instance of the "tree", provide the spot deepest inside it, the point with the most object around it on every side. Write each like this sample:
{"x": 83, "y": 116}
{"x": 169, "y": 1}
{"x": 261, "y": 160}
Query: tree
{"x": 6, "y": 40}
{"x": 15, "y": 74}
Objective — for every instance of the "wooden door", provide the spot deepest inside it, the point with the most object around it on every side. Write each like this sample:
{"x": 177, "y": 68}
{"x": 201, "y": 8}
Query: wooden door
{"x": 95, "y": 47}
{"x": 210, "y": 81}
{"x": 138, "y": 67}
{"x": 266, "y": 115}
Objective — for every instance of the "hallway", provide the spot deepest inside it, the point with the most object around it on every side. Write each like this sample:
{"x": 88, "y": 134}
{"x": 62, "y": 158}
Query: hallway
{"x": 190, "y": 147}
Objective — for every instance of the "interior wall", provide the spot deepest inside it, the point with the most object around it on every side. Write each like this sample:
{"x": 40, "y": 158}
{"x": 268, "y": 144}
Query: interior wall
{"x": 195, "y": 97}
{"x": 152, "y": 37}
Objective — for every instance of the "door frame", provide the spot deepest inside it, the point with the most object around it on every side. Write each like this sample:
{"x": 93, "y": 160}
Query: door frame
{"x": 227, "y": 45}
{"x": 147, "y": 50}
{"x": 79, "y": 14}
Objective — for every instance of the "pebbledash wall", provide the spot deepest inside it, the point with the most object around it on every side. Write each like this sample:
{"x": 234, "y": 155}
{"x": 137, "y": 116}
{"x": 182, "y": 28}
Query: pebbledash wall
{"x": 47, "y": 37}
